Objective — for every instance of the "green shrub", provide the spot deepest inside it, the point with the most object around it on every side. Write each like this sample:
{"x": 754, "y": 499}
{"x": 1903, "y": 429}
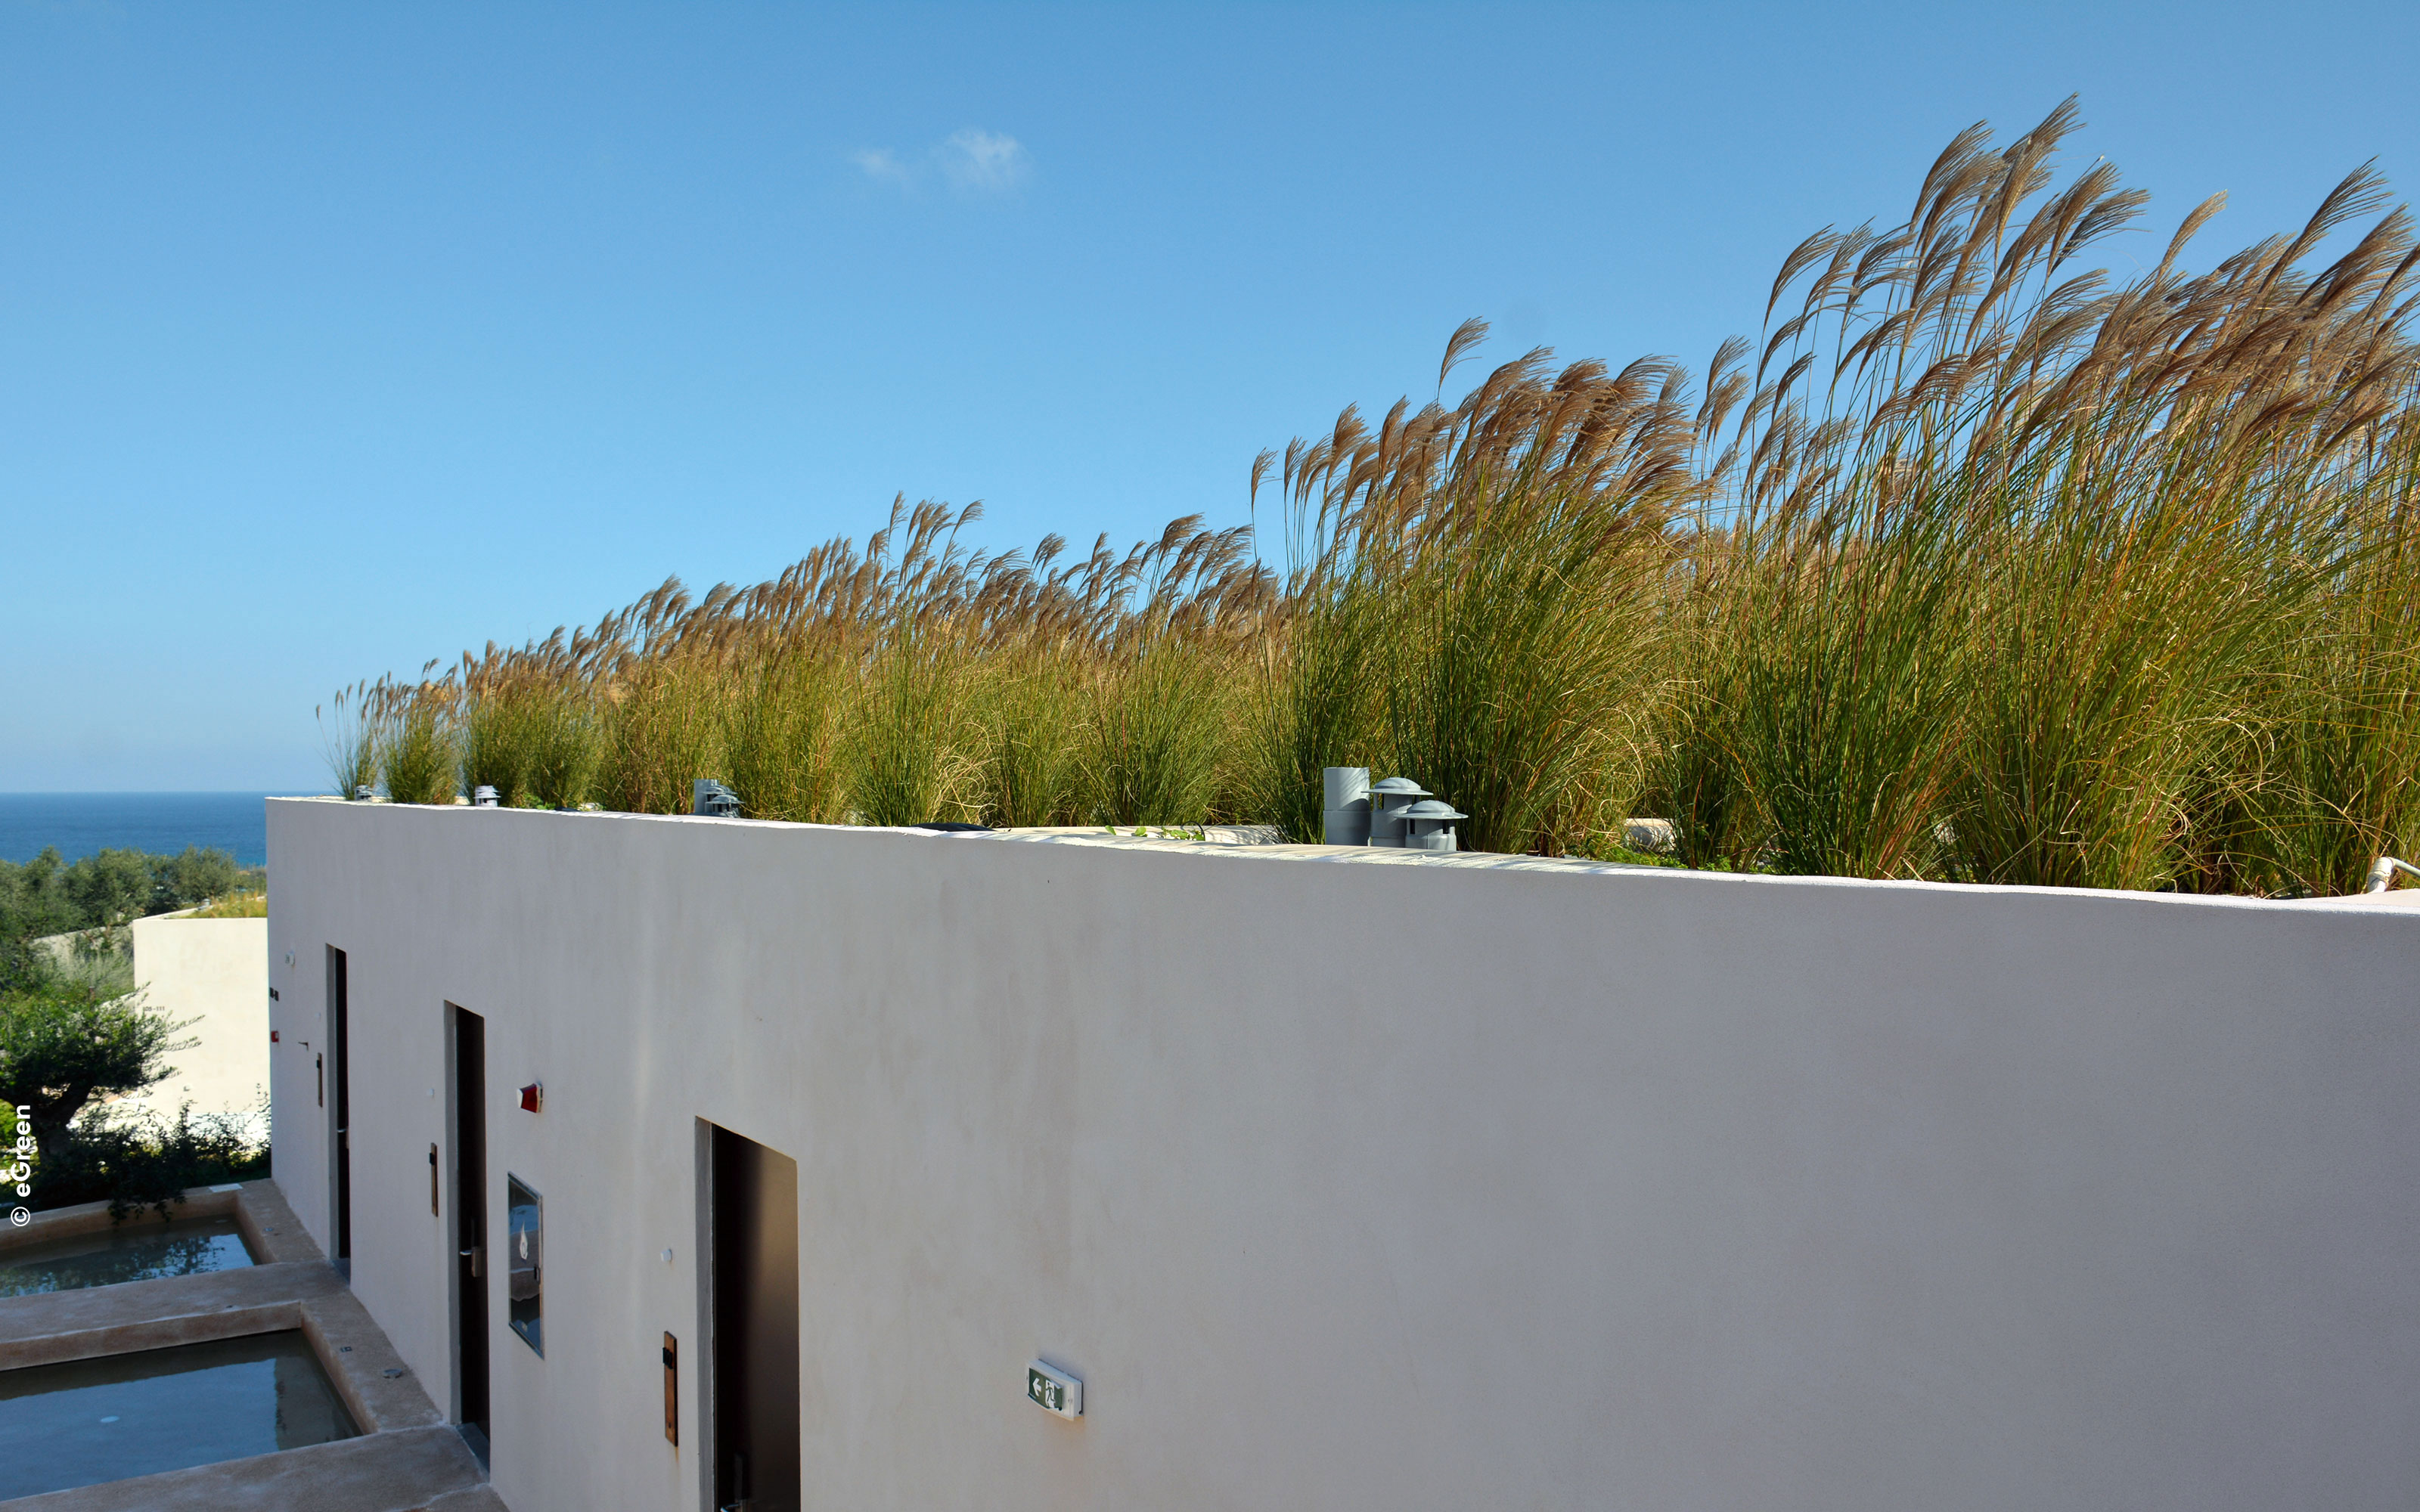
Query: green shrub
{"x": 148, "y": 1161}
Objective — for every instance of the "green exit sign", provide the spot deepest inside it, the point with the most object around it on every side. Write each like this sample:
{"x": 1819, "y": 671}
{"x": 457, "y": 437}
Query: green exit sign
{"x": 1054, "y": 1390}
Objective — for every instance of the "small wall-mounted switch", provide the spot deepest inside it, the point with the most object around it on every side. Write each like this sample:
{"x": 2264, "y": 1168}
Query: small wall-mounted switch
{"x": 532, "y": 1095}
{"x": 273, "y": 1036}
{"x": 1054, "y": 1391}
{"x": 672, "y": 1390}
{"x": 272, "y": 995}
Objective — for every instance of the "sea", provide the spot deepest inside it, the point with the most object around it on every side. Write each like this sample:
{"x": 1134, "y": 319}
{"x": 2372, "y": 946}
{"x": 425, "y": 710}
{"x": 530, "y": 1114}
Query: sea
{"x": 80, "y": 824}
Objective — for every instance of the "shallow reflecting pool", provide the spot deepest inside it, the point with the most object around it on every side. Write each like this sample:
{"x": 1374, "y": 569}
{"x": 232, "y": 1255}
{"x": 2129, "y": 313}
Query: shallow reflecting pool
{"x": 136, "y": 1414}
{"x": 139, "y": 1249}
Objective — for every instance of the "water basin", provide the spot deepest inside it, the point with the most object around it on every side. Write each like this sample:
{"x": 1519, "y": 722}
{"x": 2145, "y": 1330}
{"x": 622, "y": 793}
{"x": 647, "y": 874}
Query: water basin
{"x": 90, "y": 1421}
{"x": 139, "y": 1249}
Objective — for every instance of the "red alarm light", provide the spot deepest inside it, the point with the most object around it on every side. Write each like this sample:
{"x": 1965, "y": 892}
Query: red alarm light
{"x": 530, "y": 1095}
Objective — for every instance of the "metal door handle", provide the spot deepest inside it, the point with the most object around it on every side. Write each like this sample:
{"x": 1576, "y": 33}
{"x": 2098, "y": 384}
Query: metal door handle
{"x": 476, "y": 1255}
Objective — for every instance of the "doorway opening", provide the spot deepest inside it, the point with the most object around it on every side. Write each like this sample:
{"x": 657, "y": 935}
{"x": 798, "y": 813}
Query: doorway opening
{"x": 469, "y": 1053}
{"x": 340, "y": 1149}
{"x": 753, "y": 1195}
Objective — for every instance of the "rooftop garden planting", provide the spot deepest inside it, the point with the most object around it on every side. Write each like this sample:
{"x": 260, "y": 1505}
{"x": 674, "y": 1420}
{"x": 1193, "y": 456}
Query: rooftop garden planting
{"x": 238, "y": 905}
{"x": 1982, "y": 562}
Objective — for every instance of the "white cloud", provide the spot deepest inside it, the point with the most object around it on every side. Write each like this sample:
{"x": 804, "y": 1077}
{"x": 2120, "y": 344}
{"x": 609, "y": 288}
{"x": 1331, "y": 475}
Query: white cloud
{"x": 983, "y": 163}
{"x": 881, "y": 164}
{"x": 971, "y": 162}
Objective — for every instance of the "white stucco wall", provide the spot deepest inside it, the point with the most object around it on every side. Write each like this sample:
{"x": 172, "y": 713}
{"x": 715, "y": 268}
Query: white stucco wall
{"x": 213, "y": 972}
{"x": 1393, "y": 1181}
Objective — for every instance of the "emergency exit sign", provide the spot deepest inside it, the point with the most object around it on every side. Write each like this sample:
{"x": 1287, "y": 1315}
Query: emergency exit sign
{"x": 1054, "y": 1391}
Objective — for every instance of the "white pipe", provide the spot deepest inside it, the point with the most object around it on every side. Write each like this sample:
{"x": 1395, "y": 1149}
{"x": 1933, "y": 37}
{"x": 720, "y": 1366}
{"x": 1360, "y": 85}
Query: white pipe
{"x": 2382, "y": 875}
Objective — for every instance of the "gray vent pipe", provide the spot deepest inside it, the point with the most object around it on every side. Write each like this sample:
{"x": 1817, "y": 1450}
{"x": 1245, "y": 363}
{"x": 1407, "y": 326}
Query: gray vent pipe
{"x": 1388, "y": 798}
{"x": 1395, "y": 813}
{"x": 1345, "y": 818}
{"x": 2382, "y": 875}
{"x": 1428, "y": 826}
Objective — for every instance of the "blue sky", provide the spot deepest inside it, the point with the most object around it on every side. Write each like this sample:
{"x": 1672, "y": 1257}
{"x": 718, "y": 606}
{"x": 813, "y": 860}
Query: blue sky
{"x": 336, "y": 338}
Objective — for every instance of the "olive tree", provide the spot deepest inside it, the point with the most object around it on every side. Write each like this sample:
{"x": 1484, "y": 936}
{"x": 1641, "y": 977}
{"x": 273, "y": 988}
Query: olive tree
{"x": 63, "y": 1044}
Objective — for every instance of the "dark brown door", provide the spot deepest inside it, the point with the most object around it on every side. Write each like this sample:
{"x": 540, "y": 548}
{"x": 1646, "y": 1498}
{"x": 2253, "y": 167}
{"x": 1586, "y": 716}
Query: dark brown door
{"x": 756, "y": 1196}
{"x": 338, "y": 1060}
{"x": 470, "y": 1220}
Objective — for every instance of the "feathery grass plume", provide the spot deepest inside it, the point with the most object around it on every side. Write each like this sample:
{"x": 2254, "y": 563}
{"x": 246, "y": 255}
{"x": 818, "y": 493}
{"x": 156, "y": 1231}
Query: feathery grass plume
{"x": 2129, "y": 489}
{"x": 1694, "y": 776}
{"x": 1842, "y": 710}
{"x": 897, "y": 752}
{"x": 2107, "y": 581}
{"x": 349, "y": 738}
{"x": 781, "y": 736}
{"x": 660, "y": 682}
{"x": 1155, "y": 732}
{"x": 1520, "y": 634}
{"x": 1029, "y": 709}
{"x": 415, "y": 743}
{"x": 1693, "y": 779}
{"x": 662, "y": 730}
{"x": 565, "y": 749}
{"x": 2174, "y": 529}
{"x": 2338, "y": 783}
{"x": 1489, "y": 572}
{"x": 1315, "y": 668}
{"x": 1319, "y": 664}
{"x": 529, "y": 727}
{"x": 932, "y": 643}
{"x": 1320, "y": 705}
{"x": 902, "y": 749}
{"x": 1157, "y": 723}
{"x": 500, "y": 725}
{"x": 2125, "y": 619}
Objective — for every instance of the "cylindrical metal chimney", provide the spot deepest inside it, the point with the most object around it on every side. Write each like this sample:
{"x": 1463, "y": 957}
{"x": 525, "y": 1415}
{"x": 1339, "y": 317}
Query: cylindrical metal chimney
{"x": 1346, "y": 817}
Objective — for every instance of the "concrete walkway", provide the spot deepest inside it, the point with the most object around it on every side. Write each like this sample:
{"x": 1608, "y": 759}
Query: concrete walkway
{"x": 408, "y": 1458}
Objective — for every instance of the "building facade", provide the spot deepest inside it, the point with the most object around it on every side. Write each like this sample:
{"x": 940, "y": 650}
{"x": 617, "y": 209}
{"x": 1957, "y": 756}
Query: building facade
{"x": 787, "y": 1158}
